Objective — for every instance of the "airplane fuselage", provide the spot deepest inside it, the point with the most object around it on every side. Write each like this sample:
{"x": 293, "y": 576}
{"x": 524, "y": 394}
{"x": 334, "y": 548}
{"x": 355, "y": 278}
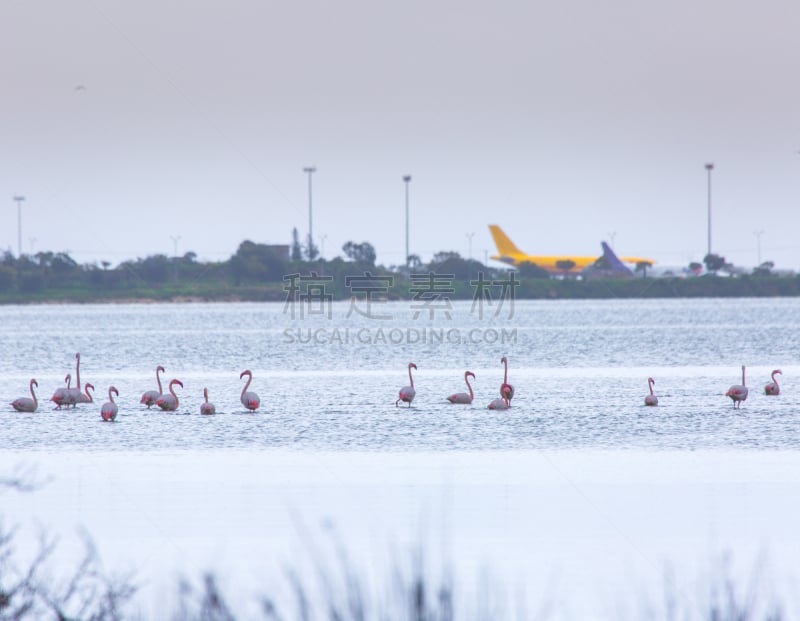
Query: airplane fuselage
{"x": 507, "y": 252}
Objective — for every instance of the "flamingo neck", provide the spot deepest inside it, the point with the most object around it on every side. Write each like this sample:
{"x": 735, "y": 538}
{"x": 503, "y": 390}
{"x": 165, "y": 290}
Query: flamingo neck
{"x": 247, "y": 385}
{"x": 205, "y": 394}
{"x": 410, "y": 378}
{"x": 466, "y": 379}
{"x": 505, "y": 372}
{"x": 773, "y": 377}
{"x": 78, "y": 371}
{"x": 68, "y": 380}
{"x": 33, "y": 394}
{"x": 158, "y": 380}
{"x": 650, "y": 382}
{"x": 172, "y": 390}
{"x": 743, "y": 382}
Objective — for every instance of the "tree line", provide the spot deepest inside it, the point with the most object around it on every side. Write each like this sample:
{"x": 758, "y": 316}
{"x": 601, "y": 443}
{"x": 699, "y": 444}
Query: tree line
{"x": 253, "y": 264}
{"x": 258, "y": 271}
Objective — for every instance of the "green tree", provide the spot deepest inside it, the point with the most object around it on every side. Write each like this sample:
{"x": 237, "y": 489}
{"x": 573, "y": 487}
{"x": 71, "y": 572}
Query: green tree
{"x": 565, "y": 265}
{"x": 714, "y": 262}
{"x": 528, "y": 269}
{"x": 257, "y": 262}
{"x": 442, "y": 257}
{"x": 360, "y": 253}
{"x": 153, "y": 269}
{"x": 7, "y": 277}
{"x": 765, "y": 269}
{"x": 297, "y": 250}
{"x": 453, "y": 263}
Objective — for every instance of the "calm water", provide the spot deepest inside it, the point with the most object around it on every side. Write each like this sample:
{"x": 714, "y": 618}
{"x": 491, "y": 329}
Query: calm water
{"x": 580, "y": 371}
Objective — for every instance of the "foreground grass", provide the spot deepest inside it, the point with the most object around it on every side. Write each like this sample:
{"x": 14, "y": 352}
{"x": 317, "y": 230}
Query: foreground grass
{"x": 408, "y": 590}
{"x": 327, "y": 585}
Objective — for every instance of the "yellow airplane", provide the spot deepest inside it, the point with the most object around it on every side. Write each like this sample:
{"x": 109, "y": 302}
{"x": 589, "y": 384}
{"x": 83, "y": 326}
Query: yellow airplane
{"x": 507, "y": 252}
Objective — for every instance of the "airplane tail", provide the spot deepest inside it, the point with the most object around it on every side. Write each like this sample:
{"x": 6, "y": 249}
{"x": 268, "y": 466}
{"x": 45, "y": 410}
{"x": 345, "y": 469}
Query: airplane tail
{"x": 505, "y": 247}
{"x": 610, "y": 262}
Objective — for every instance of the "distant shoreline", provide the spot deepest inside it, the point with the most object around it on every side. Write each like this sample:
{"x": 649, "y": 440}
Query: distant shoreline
{"x": 528, "y": 289}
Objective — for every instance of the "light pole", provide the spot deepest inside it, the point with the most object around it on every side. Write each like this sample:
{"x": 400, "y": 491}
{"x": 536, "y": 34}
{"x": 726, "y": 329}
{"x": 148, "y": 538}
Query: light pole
{"x": 469, "y": 237}
{"x": 19, "y": 199}
{"x": 407, "y": 180}
{"x": 322, "y": 246}
{"x": 758, "y": 235}
{"x": 709, "y": 168}
{"x": 310, "y": 170}
{"x": 175, "y": 239}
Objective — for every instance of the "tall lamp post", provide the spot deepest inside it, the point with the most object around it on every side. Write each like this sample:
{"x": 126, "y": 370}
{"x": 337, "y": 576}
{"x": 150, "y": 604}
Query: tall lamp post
{"x": 19, "y": 199}
{"x": 310, "y": 170}
{"x": 407, "y": 180}
{"x": 709, "y": 168}
{"x": 758, "y": 235}
{"x": 175, "y": 239}
{"x": 469, "y": 237}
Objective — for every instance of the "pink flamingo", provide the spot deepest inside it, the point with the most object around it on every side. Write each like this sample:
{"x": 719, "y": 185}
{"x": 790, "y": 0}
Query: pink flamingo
{"x": 249, "y": 400}
{"x": 207, "y": 408}
{"x": 506, "y": 389}
{"x": 60, "y": 395}
{"x": 738, "y": 392}
{"x": 74, "y": 393}
{"x": 651, "y": 399}
{"x": 773, "y": 388}
{"x": 85, "y": 397}
{"x": 462, "y": 397}
{"x": 499, "y": 404}
{"x": 25, "y": 404}
{"x": 109, "y": 410}
{"x": 169, "y": 403}
{"x": 407, "y": 393}
{"x": 151, "y": 396}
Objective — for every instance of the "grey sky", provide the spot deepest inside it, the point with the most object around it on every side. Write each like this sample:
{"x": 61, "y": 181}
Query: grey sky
{"x": 563, "y": 122}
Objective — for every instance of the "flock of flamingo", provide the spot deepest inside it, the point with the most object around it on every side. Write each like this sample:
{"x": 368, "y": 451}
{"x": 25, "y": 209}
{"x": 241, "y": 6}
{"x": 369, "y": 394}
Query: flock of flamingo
{"x": 737, "y": 392}
{"x": 71, "y": 396}
{"x": 68, "y": 395}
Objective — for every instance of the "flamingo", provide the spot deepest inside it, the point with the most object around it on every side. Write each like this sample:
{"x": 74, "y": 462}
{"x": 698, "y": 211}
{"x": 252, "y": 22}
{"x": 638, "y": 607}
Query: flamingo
{"x": 738, "y": 392}
{"x": 506, "y": 389}
{"x": 462, "y": 397}
{"x": 207, "y": 408}
{"x": 249, "y": 399}
{"x": 60, "y": 395}
{"x": 25, "y": 404}
{"x": 499, "y": 404}
{"x": 109, "y": 409}
{"x": 151, "y": 396}
{"x": 651, "y": 399}
{"x": 74, "y": 393}
{"x": 407, "y": 393}
{"x": 773, "y": 388}
{"x": 85, "y": 397}
{"x": 169, "y": 403}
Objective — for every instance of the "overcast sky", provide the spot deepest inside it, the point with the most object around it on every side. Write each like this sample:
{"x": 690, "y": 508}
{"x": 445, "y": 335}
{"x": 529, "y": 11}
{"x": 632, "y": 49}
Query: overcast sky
{"x": 128, "y": 123}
